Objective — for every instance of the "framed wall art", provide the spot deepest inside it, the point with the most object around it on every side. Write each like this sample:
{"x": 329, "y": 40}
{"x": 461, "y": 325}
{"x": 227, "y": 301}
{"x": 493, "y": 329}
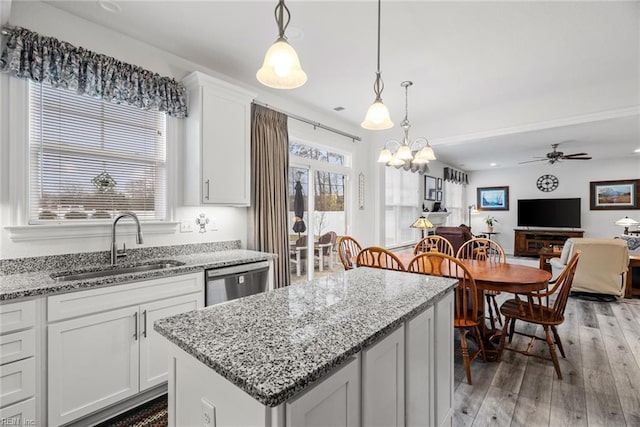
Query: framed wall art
{"x": 492, "y": 199}
{"x": 429, "y": 187}
{"x": 614, "y": 195}
{"x": 438, "y": 196}
{"x": 439, "y": 184}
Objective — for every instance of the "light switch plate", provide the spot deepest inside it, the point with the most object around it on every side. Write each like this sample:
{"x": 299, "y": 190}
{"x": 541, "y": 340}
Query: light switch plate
{"x": 214, "y": 224}
{"x": 186, "y": 226}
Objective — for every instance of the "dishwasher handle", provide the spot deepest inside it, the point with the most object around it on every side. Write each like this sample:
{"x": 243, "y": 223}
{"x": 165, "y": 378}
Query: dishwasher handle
{"x": 238, "y": 269}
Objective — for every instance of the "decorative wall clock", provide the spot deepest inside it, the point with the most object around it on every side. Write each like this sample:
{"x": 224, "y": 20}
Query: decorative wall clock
{"x": 547, "y": 183}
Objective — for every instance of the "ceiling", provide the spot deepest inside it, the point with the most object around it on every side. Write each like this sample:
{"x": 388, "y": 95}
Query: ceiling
{"x": 494, "y": 82}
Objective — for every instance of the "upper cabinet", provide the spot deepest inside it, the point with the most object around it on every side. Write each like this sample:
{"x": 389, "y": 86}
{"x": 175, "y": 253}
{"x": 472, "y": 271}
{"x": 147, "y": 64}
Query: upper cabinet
{"x": 217, "y": 156}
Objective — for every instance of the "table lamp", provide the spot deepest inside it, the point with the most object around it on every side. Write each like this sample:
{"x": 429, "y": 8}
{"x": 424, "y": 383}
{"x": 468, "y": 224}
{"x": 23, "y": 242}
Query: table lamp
{"x": 626, "y": 222}
{"x": 422, "y": 223}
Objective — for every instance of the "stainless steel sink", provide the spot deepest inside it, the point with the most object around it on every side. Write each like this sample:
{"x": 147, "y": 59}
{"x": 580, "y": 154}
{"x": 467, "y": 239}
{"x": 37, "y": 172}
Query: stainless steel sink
{"x": 112, "y": 271}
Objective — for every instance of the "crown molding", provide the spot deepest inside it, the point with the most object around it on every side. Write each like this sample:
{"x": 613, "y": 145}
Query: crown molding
{"x": 548, "y": 124}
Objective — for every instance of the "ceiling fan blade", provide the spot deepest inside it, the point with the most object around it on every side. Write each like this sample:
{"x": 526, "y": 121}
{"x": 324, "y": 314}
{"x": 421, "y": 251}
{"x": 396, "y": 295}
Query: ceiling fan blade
{"x": 575, "y": 154}
{"x": 576, "y": 158}
{"x": 531, "y": 161}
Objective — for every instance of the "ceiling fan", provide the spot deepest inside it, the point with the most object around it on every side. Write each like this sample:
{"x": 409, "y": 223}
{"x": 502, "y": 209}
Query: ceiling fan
{"x": 555, "y": 156}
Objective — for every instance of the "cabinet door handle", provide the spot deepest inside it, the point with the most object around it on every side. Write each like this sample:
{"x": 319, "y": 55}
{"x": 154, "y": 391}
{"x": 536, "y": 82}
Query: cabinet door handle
{"x": 207, "y": 183}
{"x": 144, "y": 331}
{"x": 135, "y": 330}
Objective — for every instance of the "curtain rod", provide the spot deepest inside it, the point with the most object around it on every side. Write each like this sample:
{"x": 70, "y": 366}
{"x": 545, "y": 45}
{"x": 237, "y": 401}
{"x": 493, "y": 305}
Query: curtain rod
{"x": 354, "y": 138}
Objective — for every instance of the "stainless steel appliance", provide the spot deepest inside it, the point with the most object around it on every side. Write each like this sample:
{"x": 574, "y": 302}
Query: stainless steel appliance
{"x": 237, "y": 281}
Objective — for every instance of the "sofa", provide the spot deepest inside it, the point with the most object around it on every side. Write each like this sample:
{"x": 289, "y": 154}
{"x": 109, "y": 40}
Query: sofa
{"x": 602, "y": 267}
{"x": 455, "y": 235}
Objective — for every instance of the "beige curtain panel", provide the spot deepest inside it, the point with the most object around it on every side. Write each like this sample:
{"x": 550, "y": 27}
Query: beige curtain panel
{"x": 270, "y": 167}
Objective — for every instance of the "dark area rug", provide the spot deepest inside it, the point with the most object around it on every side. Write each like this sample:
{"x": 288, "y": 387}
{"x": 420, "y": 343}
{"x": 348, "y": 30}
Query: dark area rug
{"x": 150, "y": 414}
{"x": 593, "y": 297}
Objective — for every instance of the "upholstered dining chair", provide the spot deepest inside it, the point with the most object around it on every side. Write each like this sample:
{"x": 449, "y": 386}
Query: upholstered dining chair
{"x": 348, "y": 249}
{"x": 434, "y": 243}
{"x": 467, "y": 314}
{"x": 485, "y": 250}
{"x": 377, "y": 257}
{"x": 535, "y": 308}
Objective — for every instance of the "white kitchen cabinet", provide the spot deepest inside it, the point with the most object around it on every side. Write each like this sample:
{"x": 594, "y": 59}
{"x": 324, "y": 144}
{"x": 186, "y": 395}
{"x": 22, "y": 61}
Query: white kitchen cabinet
{"x": 443, "y": 350}
{"x": 153, "y": 346}
{"x": 95, "y": 360}
{"x": 19, "y": 373}
{"x": 217, "y": 143}
{"x": 333, "y": 402}
{"x": 419, "y": 365}
{"x": 383, "y": 381}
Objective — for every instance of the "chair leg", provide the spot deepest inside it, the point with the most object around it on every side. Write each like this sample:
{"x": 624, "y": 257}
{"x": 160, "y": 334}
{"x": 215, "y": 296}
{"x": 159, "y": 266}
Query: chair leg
{"x": 465, "y": 354}
{"x": 495, "y": 305}
{"x": 480, "y": 344}
{"x": 503, "y": 336}
{"x": 558, "y": 341}
{"x": 493, "y": 324}
{"x": 512, "y": 328}
{"x": 552, "y": 351}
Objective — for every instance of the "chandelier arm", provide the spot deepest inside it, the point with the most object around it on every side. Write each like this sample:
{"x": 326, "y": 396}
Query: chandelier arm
{"x": 392, "y": 141}
{"x": 417, "y": 141}
{"x": 279, "y": 15}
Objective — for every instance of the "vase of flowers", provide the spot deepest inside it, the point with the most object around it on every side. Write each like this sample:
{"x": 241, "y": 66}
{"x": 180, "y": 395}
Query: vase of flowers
{"x": 490, "y": 221}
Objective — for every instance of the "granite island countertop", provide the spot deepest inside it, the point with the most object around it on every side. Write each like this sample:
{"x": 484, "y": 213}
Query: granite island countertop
{"x": 273, "y": 345}
{"x": 22, "y": 285}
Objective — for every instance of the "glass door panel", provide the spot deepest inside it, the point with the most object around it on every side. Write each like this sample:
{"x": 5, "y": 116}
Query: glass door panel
{"x": 330, "y": 219}
{"x": 298, "y": 223}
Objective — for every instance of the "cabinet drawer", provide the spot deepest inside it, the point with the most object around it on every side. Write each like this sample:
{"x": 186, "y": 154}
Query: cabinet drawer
{"x": 17, "y": 381}
{"x": 16, "y": 346}
{"x": 96, "y": 300}
{"x": 17, "y": 315}
{"x": 20, "y": 414}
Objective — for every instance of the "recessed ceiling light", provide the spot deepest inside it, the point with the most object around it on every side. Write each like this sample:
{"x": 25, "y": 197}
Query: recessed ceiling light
{"x": 493, "y": 164}
{"x": 338, "y": 108}
{"x": 637, "y": 150}
{"x": 110, "y": 6}
{"x": 294, "y": 33}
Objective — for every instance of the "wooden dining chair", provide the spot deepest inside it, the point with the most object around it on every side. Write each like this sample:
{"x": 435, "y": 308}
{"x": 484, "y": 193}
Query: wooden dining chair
{"x": 485, "y": 250}
{"x": 377, "y": 257}
{"x": 467, "y": 315}
{"x": 434, "y": 243}
{"x": 535, "y": 308}
{"x": 348, "y": 249}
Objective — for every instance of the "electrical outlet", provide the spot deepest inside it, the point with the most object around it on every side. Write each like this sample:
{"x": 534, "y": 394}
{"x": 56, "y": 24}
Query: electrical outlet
{"x": 186, "y": 226}
{"x": 214, "y": 224}
{"x": 208, "y": 413}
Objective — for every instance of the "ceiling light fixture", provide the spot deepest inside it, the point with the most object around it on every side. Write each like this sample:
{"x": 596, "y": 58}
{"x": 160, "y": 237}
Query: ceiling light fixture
{"x": 281, "y": 67}
{"x": 405, "y": 149}
{"x": 378, "y": 117}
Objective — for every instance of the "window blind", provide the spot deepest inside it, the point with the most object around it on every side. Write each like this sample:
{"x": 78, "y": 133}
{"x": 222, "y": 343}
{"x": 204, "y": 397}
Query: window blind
{"x": 90, "y": 159}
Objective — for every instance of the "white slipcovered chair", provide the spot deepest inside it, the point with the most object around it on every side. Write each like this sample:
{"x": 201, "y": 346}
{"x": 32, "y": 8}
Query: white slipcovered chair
{"x": 602, "y": 268}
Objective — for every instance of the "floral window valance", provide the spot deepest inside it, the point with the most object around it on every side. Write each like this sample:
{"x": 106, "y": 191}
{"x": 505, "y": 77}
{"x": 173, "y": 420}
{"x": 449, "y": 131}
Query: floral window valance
{"x": 456, "y": 176}
{"x": 45, "y": 59}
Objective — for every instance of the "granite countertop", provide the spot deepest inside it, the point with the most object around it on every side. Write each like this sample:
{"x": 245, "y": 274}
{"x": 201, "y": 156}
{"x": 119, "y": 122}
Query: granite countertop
{"x": 22, "y": 285}
{"x": 273, "y": 345}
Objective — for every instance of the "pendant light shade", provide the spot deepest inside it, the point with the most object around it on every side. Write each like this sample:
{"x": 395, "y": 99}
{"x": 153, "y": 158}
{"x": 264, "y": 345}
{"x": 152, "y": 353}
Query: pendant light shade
{"x": 281, "y": 67}
{"x": 378, "y": 117}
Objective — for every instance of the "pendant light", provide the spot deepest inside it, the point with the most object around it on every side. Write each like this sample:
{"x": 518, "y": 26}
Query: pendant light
{"x": 378, "y": 117}
{"x": 406, "y": 148}
{"x": 281, "y": 67}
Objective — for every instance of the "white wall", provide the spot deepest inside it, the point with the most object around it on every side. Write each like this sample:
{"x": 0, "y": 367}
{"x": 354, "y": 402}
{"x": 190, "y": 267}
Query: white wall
{"x": 231, "y": 222}
{"x": 574, "y": 177}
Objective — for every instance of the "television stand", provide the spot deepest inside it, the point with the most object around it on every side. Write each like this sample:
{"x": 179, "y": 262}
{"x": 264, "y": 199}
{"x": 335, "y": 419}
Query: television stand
{"x": 529, "y": 242}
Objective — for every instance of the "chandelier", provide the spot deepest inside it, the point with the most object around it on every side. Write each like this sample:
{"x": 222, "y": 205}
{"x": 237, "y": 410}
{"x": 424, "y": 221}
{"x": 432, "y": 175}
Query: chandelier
{"x": 404, "y": 150}
{"x": 281, "y": 68}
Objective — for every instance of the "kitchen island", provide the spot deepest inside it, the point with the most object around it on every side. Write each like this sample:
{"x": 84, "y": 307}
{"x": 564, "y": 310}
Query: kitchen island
{"x": 366, "y": 346}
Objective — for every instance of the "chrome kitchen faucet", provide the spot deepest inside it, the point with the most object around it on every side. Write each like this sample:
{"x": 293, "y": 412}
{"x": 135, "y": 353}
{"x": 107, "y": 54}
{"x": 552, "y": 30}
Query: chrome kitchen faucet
{"x": 115, "y": 253}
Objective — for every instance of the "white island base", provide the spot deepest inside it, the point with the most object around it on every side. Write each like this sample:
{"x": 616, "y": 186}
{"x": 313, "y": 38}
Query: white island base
{"x": 404, "y": 378}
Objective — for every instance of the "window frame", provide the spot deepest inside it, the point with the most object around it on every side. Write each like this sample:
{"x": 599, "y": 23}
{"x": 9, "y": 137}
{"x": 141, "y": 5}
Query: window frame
{"x": 15, "y": 167}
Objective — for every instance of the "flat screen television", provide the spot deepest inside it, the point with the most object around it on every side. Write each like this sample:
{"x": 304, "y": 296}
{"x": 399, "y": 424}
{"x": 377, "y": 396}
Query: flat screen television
{"x": 549, "y": 213}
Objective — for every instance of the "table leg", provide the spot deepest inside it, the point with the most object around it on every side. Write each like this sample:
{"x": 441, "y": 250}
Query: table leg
{"x": 297, "y": 263}
{"x": 321, "y": 258}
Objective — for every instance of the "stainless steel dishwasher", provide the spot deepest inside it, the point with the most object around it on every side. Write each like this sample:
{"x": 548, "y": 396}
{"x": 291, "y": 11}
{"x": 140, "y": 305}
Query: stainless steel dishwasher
{"x": 237, "y": 281}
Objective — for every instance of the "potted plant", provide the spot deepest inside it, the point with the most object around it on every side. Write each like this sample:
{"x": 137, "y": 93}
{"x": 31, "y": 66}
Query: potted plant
{"x": 489, "y": 220}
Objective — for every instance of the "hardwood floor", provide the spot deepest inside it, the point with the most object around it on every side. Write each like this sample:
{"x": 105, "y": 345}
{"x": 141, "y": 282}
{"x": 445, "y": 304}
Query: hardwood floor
{"x": 601, "y": 375}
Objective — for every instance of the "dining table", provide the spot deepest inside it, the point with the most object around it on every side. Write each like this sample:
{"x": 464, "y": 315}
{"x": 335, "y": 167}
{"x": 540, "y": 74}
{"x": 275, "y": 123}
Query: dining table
{"x": 496, "y": 276}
